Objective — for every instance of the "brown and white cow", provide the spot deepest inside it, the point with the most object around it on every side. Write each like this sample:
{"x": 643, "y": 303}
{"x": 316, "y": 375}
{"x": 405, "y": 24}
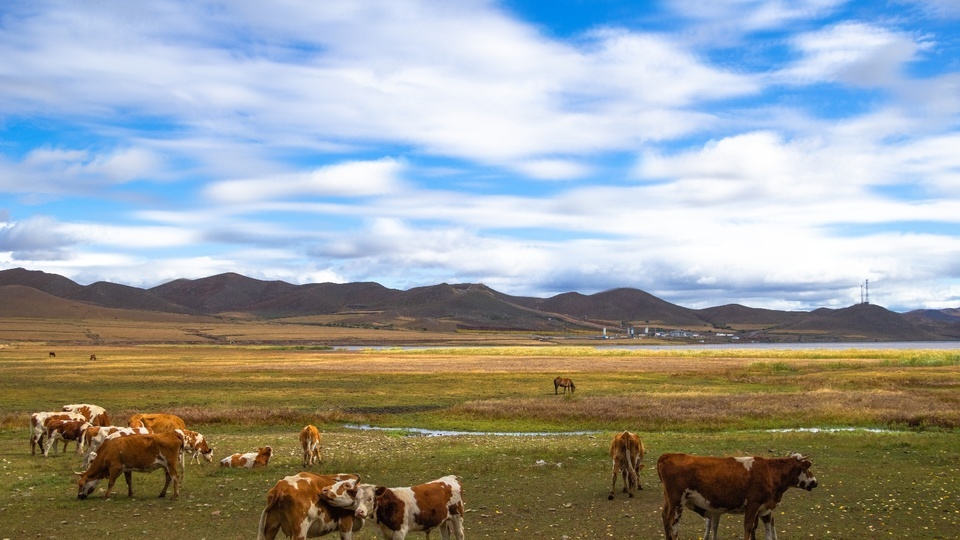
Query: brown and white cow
{"x": 294, "y": 507}
{"x": 94, "y": 436}
{"x": 63, "y": 430}
{"x": 250, "y": 460}
{"x": 711, "y": 486}
{"x": 140, "y": 453}
{"x": 38, "y": 432}
{"x": 398, "y": 511}
{"x": 94, "y": 414}
{"x": 626, "y": 451}
{"x": 310, "y": 438}
{"x": 158, "y": 422}
{"x": 195, "y": 444}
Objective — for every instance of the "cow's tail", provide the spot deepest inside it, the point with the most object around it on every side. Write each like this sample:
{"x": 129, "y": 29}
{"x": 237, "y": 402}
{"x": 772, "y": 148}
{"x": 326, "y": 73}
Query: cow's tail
{"x": 274, "y": 503}
{"x": 183, "y": 443}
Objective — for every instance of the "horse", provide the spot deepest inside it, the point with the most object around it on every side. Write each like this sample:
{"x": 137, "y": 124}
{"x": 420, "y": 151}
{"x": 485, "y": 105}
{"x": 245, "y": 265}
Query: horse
{"x": 565, "y": 383}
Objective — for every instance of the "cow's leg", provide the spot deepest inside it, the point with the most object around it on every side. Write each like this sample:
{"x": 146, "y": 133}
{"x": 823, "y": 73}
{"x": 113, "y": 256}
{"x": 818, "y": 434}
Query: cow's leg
{"x": 671, "y": 518}
{"x": 770, "y": 532}
{"x": 128, "y": 478}
{"x": 613, "y": 482}
{"x": 750, "y": 523}
{"x": 456, "y": 525}
{"x": 712, "y": 520}
{"x": 111, "y": 479}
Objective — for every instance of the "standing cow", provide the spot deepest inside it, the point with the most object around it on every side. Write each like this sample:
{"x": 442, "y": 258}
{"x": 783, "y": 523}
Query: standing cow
{"x": 94, "y": 414}
{"x": 626, "y": 451}
{"x": 310, "y": 438}
{"x": 398, "y": 511}
{"x": 141, "y": 453}
{"x": 294, "y": 506}
{"x": 63, "y": 430}
{"x": 195, "y": 445}
{"x": 563, "y": 382}
{"x": 159, "y": 422}
{"x": 711, "y": 486}
{"x": 38, "y": 431}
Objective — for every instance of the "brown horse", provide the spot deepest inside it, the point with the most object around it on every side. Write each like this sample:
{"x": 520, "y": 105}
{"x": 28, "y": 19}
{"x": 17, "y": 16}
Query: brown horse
{"x": 564, "y": 383}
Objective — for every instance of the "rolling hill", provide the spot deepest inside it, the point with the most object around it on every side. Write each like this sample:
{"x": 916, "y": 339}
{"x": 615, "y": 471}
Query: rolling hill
{"x": 25, "y": 293}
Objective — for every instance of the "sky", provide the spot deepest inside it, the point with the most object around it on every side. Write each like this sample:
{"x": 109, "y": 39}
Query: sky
{"x": 771, "y": 153}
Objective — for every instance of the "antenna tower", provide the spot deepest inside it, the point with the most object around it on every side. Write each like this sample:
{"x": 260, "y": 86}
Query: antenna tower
{"x": 866, "y": 291}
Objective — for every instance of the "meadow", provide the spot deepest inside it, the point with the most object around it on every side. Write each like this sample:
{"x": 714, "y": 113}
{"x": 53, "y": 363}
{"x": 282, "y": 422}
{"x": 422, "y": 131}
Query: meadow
{"x": 882, "y": 427}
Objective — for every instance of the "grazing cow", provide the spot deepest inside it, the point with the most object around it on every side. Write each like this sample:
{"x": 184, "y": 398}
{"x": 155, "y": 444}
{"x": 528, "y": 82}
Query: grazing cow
{"x": 93, "y": 357}
{"x": 563, "y": 382}
{"x": 195, "y": 445}
{"x": 94, "y": 414}
{"x": 310, "y": 441}
{"x": 294, "y": 506}
{"x": 250, "y": 460}
{"x": 38, "y": 431}
{"x": 141, "y": 453}
{"x": 63, "y": 430}
{"x": 159, "y": 422}
{"x": 397, "y": 511}
{"x": 627, "y": 453}
{"x": 711, "y": 486}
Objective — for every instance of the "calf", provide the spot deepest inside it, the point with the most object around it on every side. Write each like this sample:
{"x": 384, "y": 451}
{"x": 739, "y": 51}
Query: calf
{"x": 195, "y": 445}
{"x": 250, "y": 460}
{"x": 38, "y": 431}
{"x": 141, "y": 453}
{"x": 310, "y": 441}
{"x": 294, "y": 507}
{"x": 94, "y": 414}
{"x": 626, "y": 451}
{"x": 63, "y": 430}
{"x": 159, "y": 422}
{"x": 711, "y": 486}
{"x": 397, "y": 511}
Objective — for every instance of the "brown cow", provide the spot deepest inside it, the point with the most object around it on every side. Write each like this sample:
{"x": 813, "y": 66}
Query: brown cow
{"x": 250, "y": 460}
{"x": 397, "y": 511}
{"x": 310, "y": 438}
{"x": 294, "y": 507}
{"x": 38, "y": 431}
{"x": 94, "y": 414}
{"x": 159, "y": 422}
{"x": 563, "y": 382}
{"x": 141, "y": 453}
{"x": 95, "y": 436}
{"x": 63, "y": 430}
{"x": 626, "y": 451}
{"x": 711, "y": 486}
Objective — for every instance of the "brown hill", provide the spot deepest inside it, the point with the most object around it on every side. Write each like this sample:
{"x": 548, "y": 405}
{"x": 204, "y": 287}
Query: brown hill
{"x": 221, "y": 293}
{"x": 27, "y": 302}
{"x": 857, "y": 322}
{"x": 622, "y": 304}
{"x": 736, "y": 314}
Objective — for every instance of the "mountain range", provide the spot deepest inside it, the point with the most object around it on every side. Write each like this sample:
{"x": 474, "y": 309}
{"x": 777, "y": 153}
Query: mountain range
{"x": 617, "y": 312}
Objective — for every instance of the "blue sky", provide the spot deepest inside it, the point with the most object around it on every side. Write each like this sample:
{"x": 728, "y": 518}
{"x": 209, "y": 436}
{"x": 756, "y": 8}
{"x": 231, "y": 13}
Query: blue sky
{"x": 769, "y": 153}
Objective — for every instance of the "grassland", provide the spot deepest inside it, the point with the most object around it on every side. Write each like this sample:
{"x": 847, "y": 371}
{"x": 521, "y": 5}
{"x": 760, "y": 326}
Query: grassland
{"x": 888, "y": 471}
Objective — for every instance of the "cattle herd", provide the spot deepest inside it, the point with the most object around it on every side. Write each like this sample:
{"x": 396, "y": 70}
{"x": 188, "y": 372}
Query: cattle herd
{"x": 311, "y": 505}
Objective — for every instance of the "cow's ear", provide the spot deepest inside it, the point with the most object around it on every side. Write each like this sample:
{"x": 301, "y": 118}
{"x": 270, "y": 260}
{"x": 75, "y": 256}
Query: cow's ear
{"x": 380, "y": 491}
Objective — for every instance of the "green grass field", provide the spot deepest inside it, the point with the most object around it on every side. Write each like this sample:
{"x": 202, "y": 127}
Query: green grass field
{"x": 893, "y": 476}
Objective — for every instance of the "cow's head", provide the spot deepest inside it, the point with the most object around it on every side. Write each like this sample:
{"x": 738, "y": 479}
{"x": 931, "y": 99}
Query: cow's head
{"x": 342, "y": 494}
{"x": 366, "y": 499}
{"x": 805, "y": 478}
{"x": 86, "y": 484}
{"x": 203, "y": 448}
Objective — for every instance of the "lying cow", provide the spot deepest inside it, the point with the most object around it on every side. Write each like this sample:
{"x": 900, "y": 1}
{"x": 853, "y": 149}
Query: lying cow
{"x": 711, "y": 486}
{"x": 63, "y": 430}
{"x": 140, "y": 453}
{"x": 195, "y": 445}
{"x": 250, "y": 460}
{"x": 294, "y": 507}
{"x": 626, "y": 451}
{"x": 310, "y": 438}
{"x": 95, "y": 437}
{"x": 94, "y": 414}
{"x": 158, "y": 422}
{"x": 38, "y": 431}
{"x": 398, "y": 511}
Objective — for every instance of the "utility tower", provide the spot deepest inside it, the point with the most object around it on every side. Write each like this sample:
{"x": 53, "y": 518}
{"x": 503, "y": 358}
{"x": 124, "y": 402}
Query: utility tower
{"x": 865, "y": 292}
